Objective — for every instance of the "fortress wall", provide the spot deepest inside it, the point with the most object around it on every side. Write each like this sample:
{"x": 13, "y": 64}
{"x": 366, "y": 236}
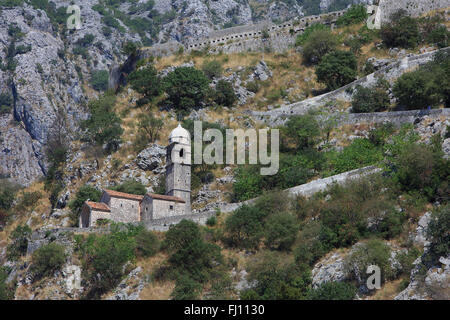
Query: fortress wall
{"x": 391, "y": 73}
{"x": 414, "y": 8}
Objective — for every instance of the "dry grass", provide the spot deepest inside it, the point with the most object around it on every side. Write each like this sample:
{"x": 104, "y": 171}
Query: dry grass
{"x": 388, "y": 291}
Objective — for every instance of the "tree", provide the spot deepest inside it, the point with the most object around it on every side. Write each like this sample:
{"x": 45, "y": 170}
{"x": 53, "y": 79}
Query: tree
{"x": 438, "y": 232}
{"x": 47, "y": 259}
{"x": 367, "y": 100}
{"x": 319, "y": 43}
{"x": 337, "y": 69}
{"x": 417, "y": 90}
{"x": 186, "y": 88}
{"x": 149, "y": 127}
{"x": 244, "y": 228}
{"x": 280, "y": 231}
{"x": 401, "y": 32}
{"x": 104, "y": 126}
{"x": 100, "y": 80}
{"x": 146, "y": 82}
{"x": 300, "y": 133}
{"x": 356, "y": 14}
{"x": 147, "y": 243}
{"x": 225, "y": 93}
{"x": 6, "y": 103}
{"x": 19, "y": 244}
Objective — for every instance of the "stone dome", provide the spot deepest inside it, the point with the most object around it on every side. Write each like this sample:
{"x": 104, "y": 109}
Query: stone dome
{"x": 180, "y": 135}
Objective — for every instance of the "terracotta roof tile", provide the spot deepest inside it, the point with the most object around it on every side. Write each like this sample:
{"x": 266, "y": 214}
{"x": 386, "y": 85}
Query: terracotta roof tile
{"x": 164, "y": 197}
{"x": 98, "y": 206}
{"x": 123, "y": 195}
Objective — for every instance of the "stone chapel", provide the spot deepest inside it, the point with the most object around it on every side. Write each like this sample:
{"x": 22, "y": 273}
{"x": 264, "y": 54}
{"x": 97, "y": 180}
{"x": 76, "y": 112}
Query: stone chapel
{"x": 123, "y": 207}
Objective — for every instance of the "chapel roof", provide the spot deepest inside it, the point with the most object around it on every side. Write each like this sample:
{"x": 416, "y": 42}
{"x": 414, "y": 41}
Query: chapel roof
{"x": 100, "y": 206}
{"x": 123, "y": 195}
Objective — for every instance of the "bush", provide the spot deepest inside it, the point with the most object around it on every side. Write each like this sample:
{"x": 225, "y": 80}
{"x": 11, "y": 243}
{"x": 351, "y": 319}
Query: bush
{"x": 212, "y": 221}
{"x": 319, "y": 43}
{"x": 337, "y": 69}
{"x": 225, "y": 95}
{"x": 104, "y": 126}
{"x": 303, "y": 37}
{"x": 439, "y": 36}
{"x": 186, "y": 88}
{"x": 438, "y": 231}
{"x": 333, "y": 291}
{"x": 8, "y": 193}
{"x": 280, "y": 231}
{"x": 356, "y": 14}
{"x": 6, "y": 103}
{"x": 374, "y": 252}
{"x": 401, "y": 32}
{"x": 186, "y": 289}
{"x": 19, "y": 244}
{"x": 131, "y": 186}
{"x": 368, "y": 100}
{"x": 100, "y": 80}
{"x": 146, "y": 82}
{"x": 147, "y": 244}
{"x": 360, "y": 153}
{"x": 244, "y": 228}
{"x": 300, "y": 133}
{"x": 418, "y": 90}
{"x": 277, "y": 278}
{"x": 104, "y": 258}
{"x": 47, "y": 259}
{"x": 6, "y": 290}
{"x": 419, "y": 168}
{"x": 212, "y": 69}
{"x": 83, "y": 194}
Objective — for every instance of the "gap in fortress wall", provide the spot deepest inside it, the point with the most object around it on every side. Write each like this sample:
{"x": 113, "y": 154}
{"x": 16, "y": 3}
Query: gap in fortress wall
{"x": 246, "y": 38}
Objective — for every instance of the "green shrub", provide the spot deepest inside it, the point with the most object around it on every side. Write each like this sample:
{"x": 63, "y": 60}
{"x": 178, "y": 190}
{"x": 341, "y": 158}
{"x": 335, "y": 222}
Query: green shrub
{"x": 368, "y": 100}
{"x": 19, "y": 244}
{"x": 47, "y": 259}
{"x": 83, "y": 194}
{"x": 131, "y": 186}
{"x": 438, "y": 231}
{"x": 244, "y": 228}
{"x": 333, "y": 291}
{"x": 212, "y": 221}
{"x": 224, "y": 94}
{"x": 337, "y": 69}
{"x": 252, "y": 86}
{"x": 360, "y": 153}
{"x": 6, "y": 290}
{"x": 280, "y": 231}
{"x": 104, "y": 126}
{"x": 277, "y": 278}
{"x": 212, "y": 69}
{"x": 439, "y": 36}
{"x": 373, "y": 252}
{"x": 104, "y": 258}
{"x": 186, "y": 289}
{"x": 300, "y": 133}
{"x": 8, "y": 193}
{"x": 186, "y": 88}
{"x": 303, "y": 37}
{"x": 6, "y": 103}
{"x": 146, "y": 82}
{"x": 356, "y": 14}
{"x": 319, "y": 43}
{"x": 401, "y": 32}
{"x": 100, "y": 80}
{"x": 147, "y": 244}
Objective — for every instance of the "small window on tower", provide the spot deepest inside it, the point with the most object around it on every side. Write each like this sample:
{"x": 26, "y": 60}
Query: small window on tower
{"x": 181, "y": 153}
{"x": 171, "y": 207}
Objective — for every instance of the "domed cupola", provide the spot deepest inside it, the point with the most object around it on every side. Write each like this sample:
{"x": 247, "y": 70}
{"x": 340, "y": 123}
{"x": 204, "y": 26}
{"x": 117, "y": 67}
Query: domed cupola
{"x": 180, "y": 135}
